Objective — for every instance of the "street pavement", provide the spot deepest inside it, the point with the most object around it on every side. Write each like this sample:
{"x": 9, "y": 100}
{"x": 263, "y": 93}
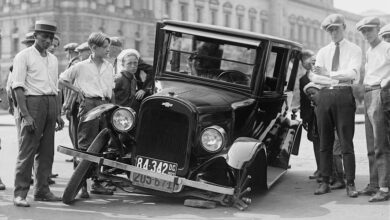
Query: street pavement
{"x": 291, "y": 198}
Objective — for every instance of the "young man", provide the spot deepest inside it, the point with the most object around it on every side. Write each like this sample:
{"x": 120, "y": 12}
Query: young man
{"x": 337, "y": 67}
{"x": 35, "y": 82}
{"x": 385, "y": 33}
{"x": 376, "y": 84}
{"x": 307, "y": 109}
{"x": 93, "y": 79}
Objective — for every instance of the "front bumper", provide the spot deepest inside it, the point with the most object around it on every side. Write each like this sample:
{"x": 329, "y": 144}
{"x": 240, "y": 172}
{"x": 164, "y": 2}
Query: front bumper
{"x": 179, "y": 182}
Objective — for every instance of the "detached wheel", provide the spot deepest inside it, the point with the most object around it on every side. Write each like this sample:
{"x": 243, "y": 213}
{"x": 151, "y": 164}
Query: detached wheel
{"x": 80, "y": 173}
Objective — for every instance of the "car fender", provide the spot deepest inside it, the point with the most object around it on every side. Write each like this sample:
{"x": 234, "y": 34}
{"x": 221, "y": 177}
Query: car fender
{"x": 98, "y": 111}
{"x": 243, "y": 150}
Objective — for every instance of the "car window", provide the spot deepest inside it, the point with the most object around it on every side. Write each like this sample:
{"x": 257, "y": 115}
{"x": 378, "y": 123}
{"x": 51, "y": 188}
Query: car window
{"x": 201, "y": 57}
{"x": 275, "y": 68}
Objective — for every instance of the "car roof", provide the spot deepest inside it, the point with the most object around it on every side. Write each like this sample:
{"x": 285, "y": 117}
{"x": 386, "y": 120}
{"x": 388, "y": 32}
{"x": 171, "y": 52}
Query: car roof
{"x": 231, "y": 31}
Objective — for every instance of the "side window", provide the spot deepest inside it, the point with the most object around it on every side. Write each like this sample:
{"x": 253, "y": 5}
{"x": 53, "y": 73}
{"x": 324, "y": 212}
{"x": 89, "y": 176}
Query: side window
{"x": 292, "y": 69}
{"x": 275, "y": 69}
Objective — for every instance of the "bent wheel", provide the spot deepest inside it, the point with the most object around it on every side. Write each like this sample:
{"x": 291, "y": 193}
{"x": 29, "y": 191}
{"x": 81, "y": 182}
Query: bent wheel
{"x": 80, "y": 173}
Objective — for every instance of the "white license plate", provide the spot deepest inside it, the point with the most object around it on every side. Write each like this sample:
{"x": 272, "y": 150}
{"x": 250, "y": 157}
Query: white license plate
{"x": 158, "y": 166}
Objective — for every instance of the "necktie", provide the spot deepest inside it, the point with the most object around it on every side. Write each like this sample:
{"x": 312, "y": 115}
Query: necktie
{"x": 336, "y": 57}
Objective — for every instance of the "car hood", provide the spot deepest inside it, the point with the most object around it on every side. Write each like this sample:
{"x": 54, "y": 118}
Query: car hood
{"x": 202, "y": 97}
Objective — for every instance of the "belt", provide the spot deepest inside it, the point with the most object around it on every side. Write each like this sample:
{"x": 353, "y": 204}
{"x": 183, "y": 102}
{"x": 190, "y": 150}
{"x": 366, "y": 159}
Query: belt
{"x": 338, "y": 87}
{"x": 371, "y": 88}
{"x": 98, "y": 98}
{"x": 40, "y": 95}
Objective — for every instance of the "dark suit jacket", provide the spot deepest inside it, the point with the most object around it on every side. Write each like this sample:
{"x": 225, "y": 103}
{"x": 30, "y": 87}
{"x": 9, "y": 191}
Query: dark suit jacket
{"x": 307, "y": 110}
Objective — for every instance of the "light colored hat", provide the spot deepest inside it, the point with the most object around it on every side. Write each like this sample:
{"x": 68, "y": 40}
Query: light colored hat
{"x": 46, "y": 26}
{"x": 70, "y": 46}
{"x": 368, "y": 22}
{"x": 82, "y": 47}
{"x": 385, "y": 30}
{"x": 332, "y": 20}
{"x": 311, "y": 85}
{"x": 116, "y": 41}
{"x": 29, "y": 38}
{"x": 128, "y": 52}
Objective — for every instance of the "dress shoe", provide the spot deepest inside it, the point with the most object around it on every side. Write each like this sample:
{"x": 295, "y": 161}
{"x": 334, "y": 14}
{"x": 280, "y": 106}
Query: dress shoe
{"x": 21, "y": 202}
{"x": 351, "y": 191}
{"x": 315, "y": 175}
{"x": 2, "y": 186}
{"x": 50, "y": 181}
{"x": 53, "y": 175}
{"x": 97, "y": 188}
{"x": 69, "y": 160}
{"x": 84, "y": 193}
{"x": 322, "y": 189}
{"x": 380, "y": 196}
{"x": 48, "y": 197}
{"x": 369, "y": 190}
{"x": 338, "y": 185}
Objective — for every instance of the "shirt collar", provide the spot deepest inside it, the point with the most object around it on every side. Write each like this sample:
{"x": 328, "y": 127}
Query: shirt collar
{"x": 91, "y": 61}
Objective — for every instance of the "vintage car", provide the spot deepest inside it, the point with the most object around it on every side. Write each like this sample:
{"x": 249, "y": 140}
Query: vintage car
{"x": 218, "y": 125}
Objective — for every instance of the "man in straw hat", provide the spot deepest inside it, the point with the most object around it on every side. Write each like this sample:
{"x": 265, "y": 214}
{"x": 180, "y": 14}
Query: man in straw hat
{"x": 337, "y": 67}
{"x": 377, "y": 92}
{"x": 35, "y": 82}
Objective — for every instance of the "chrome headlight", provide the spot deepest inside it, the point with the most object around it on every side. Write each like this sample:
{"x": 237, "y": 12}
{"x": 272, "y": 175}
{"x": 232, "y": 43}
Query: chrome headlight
{"x": 123, "y": 119}
{"x": 213, "y": 138}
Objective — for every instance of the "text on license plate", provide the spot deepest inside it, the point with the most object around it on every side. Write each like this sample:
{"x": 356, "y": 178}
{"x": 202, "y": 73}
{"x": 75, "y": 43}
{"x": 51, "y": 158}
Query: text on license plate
{"x": 153, "y": 183}
{"x": 158, "y": 166}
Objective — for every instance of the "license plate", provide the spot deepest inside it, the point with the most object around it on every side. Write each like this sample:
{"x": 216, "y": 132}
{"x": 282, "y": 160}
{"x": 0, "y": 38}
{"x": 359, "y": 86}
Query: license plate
{"x": 158, "y": 166}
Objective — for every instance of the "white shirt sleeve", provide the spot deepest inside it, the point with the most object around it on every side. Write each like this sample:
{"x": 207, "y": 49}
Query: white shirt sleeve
{"x": 70, "y": 74}
{"x": 19, "y": 72}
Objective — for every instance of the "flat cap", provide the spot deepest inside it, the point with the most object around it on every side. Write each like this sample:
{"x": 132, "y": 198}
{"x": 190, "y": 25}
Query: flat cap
{"x": 29, "y": 38}
{"x": 311, "y": 85}
{"x": 116, "y": 41}
{"x": 45, "y": 26}
{"x": 70, "y": 46}
{"x": 385, "y": 30}
{"x": 368, "y": 22}
{"x": 82, "y": 47}
{"x": 332, "y": 20}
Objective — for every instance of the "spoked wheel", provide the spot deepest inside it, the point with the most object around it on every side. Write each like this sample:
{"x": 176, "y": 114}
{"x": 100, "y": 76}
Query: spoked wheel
{"x": 80, "y": 174}
{"x": 239, "y": 199}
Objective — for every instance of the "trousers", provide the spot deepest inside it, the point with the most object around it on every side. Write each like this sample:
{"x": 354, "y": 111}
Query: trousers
{"x": 336, "y": 111}
{"x": 378, "y": 147}
{"x": 36, "y": 148}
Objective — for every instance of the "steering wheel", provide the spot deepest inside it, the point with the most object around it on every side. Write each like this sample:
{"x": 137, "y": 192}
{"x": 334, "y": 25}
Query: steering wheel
{"x": 234, "y": 76}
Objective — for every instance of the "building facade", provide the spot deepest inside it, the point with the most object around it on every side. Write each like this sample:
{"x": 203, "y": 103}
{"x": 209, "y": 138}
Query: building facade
{"x": 134, "y": 20}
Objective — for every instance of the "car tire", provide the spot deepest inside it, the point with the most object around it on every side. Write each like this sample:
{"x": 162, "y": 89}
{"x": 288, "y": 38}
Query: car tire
{"x": 80, "y": 173}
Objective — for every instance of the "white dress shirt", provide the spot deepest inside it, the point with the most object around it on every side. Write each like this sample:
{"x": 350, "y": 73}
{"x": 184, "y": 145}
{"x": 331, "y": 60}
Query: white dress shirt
{"x": 377, "y": 64}
{"x": 86, "y": 76}
{"x": 349, "y": 64}
{"x": 37, "y": 75}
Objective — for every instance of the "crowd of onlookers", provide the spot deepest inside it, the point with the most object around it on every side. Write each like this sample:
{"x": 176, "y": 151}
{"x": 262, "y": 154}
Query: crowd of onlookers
{"x": 328, "y": 107}
{"x": 101, "y": 71}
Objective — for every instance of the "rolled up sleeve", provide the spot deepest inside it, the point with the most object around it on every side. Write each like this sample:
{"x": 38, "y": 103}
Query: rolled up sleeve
{"x": 19, "y": 72}
{"x": 69, "y": 74}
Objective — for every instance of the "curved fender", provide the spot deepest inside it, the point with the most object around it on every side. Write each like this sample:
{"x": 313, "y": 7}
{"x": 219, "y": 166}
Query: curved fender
{"x": 98, "y": 111}
{"x": 242, "y": 150}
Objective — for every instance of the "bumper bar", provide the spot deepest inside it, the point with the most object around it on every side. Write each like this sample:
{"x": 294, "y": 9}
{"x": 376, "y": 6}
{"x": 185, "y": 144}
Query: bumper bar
{"x": 127, "y": 167}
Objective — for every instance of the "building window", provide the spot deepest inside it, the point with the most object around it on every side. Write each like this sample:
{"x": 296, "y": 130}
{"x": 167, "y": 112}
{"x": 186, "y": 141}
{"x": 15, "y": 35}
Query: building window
{"x": 184, "y": 12}
{"x": 240, "y": 21}
{"x": 199, "y": 14}
{"x": 1, "y": 49}
{"x": 292, "y": 31}
{"x": 167, "y": 8}
{"x": 252, "y": 19}
{"x": 315, "y": 35}
{"x": 263, "y": 23}
{"x": 137, "y": 42}
{"x": 15, "y": 41}
{"x": 227, "y": 19}
{"x": 213, "y": 17}
{"x": 300, "y": 32}
{"x": 308, "y": 38}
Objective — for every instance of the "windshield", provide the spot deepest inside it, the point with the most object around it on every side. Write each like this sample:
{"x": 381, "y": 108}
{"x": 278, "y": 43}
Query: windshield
{"x": 202, "y": 57}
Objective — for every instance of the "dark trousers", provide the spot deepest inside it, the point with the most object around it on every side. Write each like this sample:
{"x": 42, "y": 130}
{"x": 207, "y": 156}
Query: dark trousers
{"x": 87, "y": 131}
{"x": 336, "y": 110}
{"x": 37, "y": 148}
{"x": 316, "y": 148}
{"x": 73, "y": 124}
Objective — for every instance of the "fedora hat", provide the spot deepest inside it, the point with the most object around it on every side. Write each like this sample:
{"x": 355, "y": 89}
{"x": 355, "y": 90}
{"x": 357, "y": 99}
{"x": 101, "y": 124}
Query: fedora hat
{"x": 45, "y": 26}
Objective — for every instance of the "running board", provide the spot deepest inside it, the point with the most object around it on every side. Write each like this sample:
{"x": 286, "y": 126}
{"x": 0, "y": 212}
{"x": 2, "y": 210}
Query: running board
{"x": 273, "y": 174}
